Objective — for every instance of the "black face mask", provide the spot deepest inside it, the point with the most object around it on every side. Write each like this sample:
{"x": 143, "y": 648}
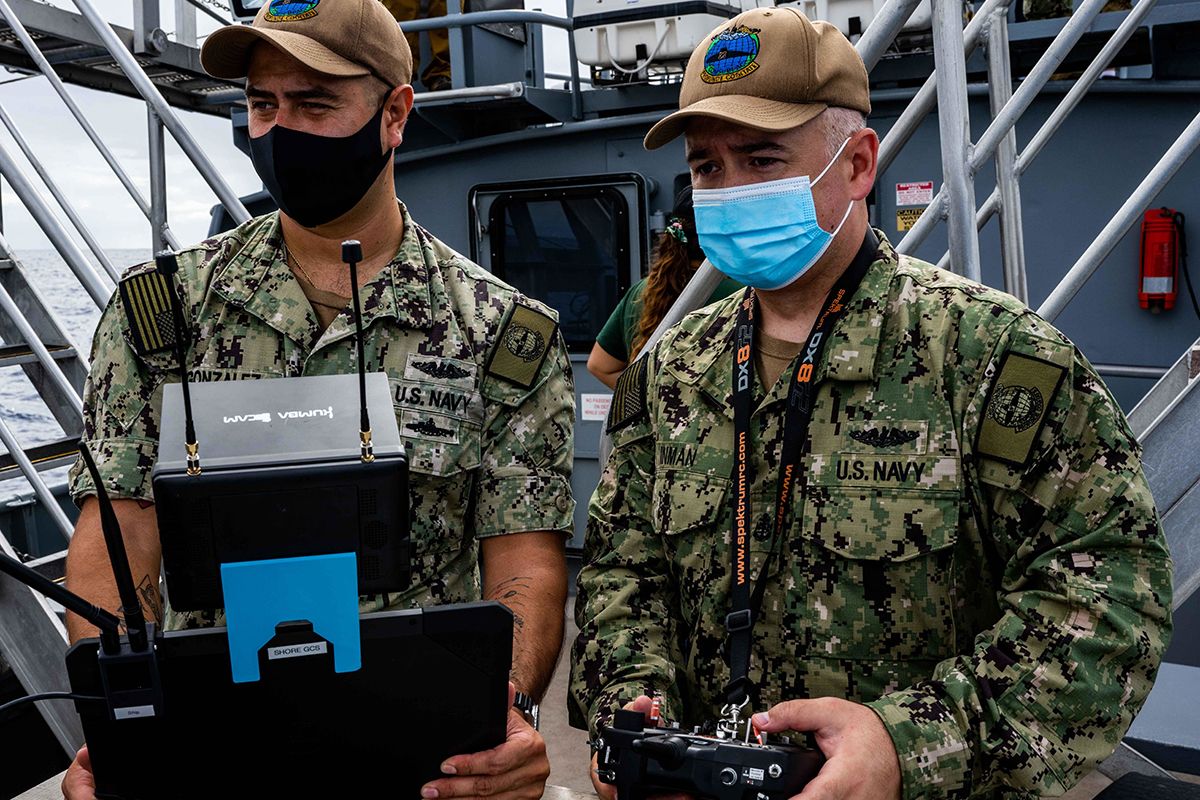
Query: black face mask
{"x": 315, "y": 179}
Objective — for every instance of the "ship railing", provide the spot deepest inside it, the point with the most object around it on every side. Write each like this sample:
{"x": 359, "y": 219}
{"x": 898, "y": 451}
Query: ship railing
{"x": 28, "y": 323}
{"x": 158, "y": 112}
{"x": 32, "y": 637}
{"x": 473, "y": 18}
{"x": 1167, "y": 420}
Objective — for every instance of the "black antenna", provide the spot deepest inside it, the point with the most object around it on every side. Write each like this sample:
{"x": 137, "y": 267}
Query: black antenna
{"x": 168, "y": 266}
{"x": 106, "y": 621}
{"x": 135, "y": 623}
{"x": 352, "y": 254}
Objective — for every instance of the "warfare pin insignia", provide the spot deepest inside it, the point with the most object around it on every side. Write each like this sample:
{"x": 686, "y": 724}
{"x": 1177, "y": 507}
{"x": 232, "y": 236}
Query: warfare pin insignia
{"x": 884, "y": 437}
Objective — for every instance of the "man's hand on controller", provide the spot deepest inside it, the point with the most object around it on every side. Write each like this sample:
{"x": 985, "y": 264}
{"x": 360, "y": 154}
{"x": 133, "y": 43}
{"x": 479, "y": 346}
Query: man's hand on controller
{"x": 607, "y": 792}
{"x": 514, "y": 770}
{"x": 861, "y": 761}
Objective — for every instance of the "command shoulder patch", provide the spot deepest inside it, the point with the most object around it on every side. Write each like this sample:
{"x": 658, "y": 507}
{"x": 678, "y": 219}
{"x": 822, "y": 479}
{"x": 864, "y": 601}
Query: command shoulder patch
{"x": 522, "y": 346}
{"x": 629, "y": 398}
{"x": 147, "y": 299}
{"x": 1017, "y": 408}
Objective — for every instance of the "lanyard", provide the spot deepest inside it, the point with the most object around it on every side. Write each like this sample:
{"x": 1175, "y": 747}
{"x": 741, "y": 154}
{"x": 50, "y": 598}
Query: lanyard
{"x": 797, "y": 416}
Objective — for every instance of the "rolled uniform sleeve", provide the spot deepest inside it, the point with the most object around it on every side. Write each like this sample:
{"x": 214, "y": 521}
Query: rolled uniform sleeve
{"x": 527, "y": 450}
{"x": 627, "y": 600}
{"x": 1049, "y": 690}
{"x": 122, "y": 400}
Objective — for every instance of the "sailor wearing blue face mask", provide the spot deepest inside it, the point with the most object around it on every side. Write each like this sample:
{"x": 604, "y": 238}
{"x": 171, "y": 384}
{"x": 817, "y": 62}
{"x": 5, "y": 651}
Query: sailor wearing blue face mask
{"x": 852, "y": 496}
{"x": 765, "y": 235}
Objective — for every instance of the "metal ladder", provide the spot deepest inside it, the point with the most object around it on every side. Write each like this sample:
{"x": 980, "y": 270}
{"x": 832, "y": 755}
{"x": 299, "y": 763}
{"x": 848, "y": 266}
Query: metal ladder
{"x": 1167, "y": 420}
{"x": 81, "y": 48}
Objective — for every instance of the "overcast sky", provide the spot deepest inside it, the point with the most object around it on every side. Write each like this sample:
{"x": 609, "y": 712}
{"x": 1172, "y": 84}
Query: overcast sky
{"x": 84, "y": 177}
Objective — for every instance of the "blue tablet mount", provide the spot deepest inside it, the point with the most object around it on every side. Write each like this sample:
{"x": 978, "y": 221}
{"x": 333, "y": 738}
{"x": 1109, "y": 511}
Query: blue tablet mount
{"x": 261, "y": 594}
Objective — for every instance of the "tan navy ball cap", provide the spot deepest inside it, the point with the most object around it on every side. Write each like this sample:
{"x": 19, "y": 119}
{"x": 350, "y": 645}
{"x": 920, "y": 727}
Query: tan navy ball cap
{"x": 769, "y": 69}
{"x": 345, "y": 38}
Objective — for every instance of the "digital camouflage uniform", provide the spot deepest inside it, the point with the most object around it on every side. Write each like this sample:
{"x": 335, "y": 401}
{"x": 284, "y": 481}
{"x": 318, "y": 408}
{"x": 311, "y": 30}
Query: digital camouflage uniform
{"x": 1005, "y": 622}
{"x": 497, "y": 460}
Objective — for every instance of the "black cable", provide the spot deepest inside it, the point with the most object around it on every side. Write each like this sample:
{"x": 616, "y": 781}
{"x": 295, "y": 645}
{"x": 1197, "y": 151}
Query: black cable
{"x": 1178, "y": 220}
{"x": 47, "y": 696}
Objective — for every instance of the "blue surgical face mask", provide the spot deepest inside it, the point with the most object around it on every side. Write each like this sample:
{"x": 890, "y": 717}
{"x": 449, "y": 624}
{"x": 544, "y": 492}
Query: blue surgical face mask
{"x": 764, "y": 235}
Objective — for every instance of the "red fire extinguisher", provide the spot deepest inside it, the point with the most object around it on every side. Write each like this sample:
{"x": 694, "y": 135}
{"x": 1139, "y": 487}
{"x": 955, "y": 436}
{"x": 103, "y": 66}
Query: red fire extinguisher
{"x": 1164, "y": 251}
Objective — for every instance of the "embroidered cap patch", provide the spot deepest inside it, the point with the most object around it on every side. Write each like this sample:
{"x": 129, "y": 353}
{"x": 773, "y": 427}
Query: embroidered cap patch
{"x": 732, "y": 54}
{"x": 291, "y": 10}
{"x": 1017, "y": 408}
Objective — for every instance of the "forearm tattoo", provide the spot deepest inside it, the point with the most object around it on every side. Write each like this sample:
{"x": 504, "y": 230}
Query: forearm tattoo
{"x": 513, "y": 593}
{"x": 147, "y": 594}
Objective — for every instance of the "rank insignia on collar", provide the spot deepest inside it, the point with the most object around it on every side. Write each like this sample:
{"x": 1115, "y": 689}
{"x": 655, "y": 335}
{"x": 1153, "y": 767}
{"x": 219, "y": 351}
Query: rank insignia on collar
{"x": 522, "y": 346}
{"x": 884, "y": 437}
{"x": 147, "y": 301}
{"x": 1017, "y": 408}
{"x": 629, "y": 398}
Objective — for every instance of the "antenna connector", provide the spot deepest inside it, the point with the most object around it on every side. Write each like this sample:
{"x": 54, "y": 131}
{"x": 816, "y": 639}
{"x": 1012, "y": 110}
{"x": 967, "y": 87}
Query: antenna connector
{"x": 193, "y": 457}
{"x": 367, "y": 454}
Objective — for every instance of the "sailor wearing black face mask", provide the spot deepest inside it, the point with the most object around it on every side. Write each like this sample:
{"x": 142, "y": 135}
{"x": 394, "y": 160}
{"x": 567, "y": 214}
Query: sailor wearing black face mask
{"x": 488, "y": 429}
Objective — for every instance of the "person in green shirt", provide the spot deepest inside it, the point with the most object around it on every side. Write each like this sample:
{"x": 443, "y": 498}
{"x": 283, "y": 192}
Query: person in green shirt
{"x": 647, "y": 301}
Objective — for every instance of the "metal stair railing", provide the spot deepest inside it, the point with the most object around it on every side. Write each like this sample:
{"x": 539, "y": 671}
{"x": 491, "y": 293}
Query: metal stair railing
{"x": 33, "y": 640}
{"x": 155, "y": 101}
{"x": 39, "y": 343}
{"x": 97, "y": 287}
{"x": 955, "y": 200}
{"x": 59, "y": 197}
{"x": 1175, "y": 481}
{"x": 47, "y": 70}
{"x": 32, "y": 637}
{"x": 1014, "y": 282}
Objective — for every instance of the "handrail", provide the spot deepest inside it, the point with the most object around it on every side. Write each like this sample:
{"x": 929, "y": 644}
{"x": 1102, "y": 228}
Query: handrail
{"x": 44, "y": 67}
{"x": 1008, "y": 184}
{"x": 1062, "y": 44}
{"x": 497, "y": 91}
{"x": 149, "y": 92}
{"x": 1074, "y": 95}
{"x": 884, "y": 28}
{"x": 1122, "y": 221}
{"x": 1107, "y": 53}
{"x": 1042, "y": 71}
{"x": 59, "y": 197}
{"x": 472, "y": 18}
{"x": 926, "y": 98}
{"x": 954, "y": 126}
{"x": 35, "y": 480}
{"x": 50, "y": 225}
{"x": 53, "y": 371}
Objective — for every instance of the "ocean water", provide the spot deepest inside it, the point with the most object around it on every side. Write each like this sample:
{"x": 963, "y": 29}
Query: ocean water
{"x": 20, "y": 406}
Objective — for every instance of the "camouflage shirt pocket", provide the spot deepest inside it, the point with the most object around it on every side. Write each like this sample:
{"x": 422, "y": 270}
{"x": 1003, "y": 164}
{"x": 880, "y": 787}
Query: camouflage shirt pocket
{"x": 689, "y": 512}
{"x": 880, "y": 573}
